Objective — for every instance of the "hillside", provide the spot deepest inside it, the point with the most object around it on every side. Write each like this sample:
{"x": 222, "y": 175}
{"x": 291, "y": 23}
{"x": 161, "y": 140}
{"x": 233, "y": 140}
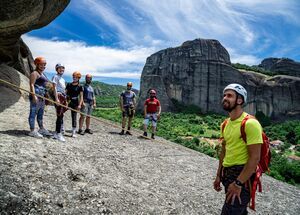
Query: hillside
{"x": 106, "y": 173}
{"x": 107, "y": 95}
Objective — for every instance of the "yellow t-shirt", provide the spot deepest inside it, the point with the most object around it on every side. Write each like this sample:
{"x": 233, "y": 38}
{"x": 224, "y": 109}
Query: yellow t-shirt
{"x": 236, "y": 149}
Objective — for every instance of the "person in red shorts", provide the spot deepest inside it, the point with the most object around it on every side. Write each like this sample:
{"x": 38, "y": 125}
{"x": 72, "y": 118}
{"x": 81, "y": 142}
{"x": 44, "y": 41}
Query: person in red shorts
{"x": 152, "y": 111}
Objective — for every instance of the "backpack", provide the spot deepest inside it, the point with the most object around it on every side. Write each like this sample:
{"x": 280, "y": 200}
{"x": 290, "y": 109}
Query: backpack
{"x": 264, "y": 162}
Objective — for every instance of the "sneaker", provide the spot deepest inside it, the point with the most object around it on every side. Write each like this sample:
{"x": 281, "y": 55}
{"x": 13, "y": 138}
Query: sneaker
{"x": 59, "y": 137}
{"x": 35, "y": 134}
{"x": 45, "y": 132}
{"x": 80, "y": 131}
{"x": 152, "y": 136}
{"x": 145, "y": 134}
{"x": 74, "y": 133}
{"x": 128, "y": 132}
{"x": 89, "y": 131}
{"x": 122, "y": 132}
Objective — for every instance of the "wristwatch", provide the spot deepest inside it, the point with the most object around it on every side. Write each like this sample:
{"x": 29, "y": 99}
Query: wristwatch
{"x": 238, "y": 183}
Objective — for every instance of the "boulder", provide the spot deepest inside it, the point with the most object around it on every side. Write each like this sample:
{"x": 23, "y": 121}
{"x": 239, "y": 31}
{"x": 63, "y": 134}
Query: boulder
{"x": 196, "y": 73}
{"x": 18, "y": 17}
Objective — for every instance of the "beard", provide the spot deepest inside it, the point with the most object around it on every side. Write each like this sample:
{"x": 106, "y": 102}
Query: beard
{"x": 228, "y": 107}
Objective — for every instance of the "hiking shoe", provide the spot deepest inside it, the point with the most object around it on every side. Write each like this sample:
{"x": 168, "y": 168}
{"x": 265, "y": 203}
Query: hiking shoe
{"x": 73, "y": 133}
{"x": 152, "y": 136}
{"x": 35, "y": 134}
{"x": 59, "y": 137}
{"x": 45, "y": 132}
{"x": 89, "y": 131}
{"x": 122, "y": 132}
{"x": 145, "y": 134}
{"x": 80, "y": 131}
{"x": 128, "y": 132}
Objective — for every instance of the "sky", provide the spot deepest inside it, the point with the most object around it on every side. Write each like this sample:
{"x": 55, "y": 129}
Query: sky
{"x": 111, "y": 39}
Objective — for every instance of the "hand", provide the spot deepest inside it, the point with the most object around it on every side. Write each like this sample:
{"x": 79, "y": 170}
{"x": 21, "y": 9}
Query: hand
{"x": 217, "y": 184}
{"x": 34, "y": 99}
{"x": 94, "y": 106}
{"x": 79, "y": 107}
{"x": 233, "y": 192}
{"x": 158, "y": 116}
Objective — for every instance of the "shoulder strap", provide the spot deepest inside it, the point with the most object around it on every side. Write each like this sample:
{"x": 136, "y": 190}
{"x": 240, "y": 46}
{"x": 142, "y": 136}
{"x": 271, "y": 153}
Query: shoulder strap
{"x": 243, "y": 126}
{"x": 224, "y": 123}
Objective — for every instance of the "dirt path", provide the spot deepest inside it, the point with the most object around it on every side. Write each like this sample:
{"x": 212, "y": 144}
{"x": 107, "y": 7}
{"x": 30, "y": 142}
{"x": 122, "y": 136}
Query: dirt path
{"x": 107, "y": 173}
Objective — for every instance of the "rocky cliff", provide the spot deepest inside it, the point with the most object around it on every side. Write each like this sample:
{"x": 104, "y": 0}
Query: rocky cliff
{"x": 196, "y": 73}
{"x": 282, "y": 66}
{"x": 18, "y": 17}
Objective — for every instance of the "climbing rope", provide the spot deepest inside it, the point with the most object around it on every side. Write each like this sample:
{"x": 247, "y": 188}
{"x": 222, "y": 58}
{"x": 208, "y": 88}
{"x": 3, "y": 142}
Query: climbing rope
{"x": 69, "y": 108}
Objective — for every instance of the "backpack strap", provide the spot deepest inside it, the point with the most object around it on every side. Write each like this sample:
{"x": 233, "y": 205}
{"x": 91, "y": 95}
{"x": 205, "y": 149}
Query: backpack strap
{"x": 243, "y": 126}
{"x": 224, "y": 123}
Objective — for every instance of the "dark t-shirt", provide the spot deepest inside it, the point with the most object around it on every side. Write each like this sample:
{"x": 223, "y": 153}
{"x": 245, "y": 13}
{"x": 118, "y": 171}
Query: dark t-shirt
{"x": 73, "y": 91}
{"x": 127, "y": 97}
{"x": 88, "y": 93}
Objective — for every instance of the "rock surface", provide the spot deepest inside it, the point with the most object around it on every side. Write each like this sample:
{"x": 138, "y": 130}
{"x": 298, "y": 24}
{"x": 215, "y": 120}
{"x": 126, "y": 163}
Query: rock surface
{"x": 196, "y": 73}
{"x": 106, "y": 173}
{"x": 282, "y": 66}
{"x": 21, "y": 16}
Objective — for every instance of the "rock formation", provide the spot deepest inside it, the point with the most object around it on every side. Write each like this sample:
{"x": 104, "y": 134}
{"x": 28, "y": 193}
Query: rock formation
{"x": 282, "y": 66}
{"x": 197, "y": 72}
{"x": 18, "y": 17}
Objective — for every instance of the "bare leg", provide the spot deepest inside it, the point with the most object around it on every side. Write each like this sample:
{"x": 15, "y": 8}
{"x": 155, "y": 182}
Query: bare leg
{"x": 88, "y": 122}
{"x": 81, "y": 120}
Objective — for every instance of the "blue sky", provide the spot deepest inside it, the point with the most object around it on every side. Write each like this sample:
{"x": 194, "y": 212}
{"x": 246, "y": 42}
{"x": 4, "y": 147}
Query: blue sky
{"x": 111, "y": 39}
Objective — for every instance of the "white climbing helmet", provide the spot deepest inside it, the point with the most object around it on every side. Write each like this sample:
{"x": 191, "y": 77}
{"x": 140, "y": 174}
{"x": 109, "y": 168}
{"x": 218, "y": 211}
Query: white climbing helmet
{"x": 59, "y": 65}
{"x": 237, "y": 88}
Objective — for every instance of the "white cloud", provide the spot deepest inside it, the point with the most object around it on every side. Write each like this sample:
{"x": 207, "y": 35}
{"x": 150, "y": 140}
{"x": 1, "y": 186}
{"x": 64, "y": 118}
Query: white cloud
{"x": 250, "y": 60}
{"x": 239, "y": 24}
{"x": 97, "y": 60}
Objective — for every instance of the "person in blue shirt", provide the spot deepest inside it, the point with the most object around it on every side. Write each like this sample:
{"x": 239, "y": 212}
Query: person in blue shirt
{"x": 89, "y": 103}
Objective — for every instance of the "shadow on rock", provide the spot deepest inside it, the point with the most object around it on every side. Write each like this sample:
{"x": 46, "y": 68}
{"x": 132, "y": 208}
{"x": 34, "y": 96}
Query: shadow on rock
{"x": 16, "y": 133}
{"x": 9, "y": 95}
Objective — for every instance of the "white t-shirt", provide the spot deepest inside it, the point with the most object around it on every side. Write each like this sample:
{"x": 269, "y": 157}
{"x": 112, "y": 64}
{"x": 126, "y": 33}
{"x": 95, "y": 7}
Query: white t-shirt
{"x": 60, "y": 83}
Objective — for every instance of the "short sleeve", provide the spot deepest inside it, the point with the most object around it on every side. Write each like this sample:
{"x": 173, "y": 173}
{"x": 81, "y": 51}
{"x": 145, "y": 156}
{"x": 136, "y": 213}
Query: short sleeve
{"x": 146, "y": 102}
{"x": 158, "y": 103}
{"x": 253, "y": 131}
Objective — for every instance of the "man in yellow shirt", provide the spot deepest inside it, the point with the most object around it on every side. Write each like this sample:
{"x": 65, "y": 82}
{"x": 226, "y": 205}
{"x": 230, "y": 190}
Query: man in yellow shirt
{"x": 238, "y": 160}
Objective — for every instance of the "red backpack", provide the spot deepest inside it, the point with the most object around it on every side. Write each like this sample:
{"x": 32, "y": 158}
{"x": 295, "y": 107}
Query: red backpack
{"x": 264, "y": 162}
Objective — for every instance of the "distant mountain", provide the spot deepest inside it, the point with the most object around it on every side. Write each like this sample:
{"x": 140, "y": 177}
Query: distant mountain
{"x": 103, "y": 89}
{"x": 107, "y": 95}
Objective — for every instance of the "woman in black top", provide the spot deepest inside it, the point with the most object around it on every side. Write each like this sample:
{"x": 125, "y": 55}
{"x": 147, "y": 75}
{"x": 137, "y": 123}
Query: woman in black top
{"x": 74, "y": 93}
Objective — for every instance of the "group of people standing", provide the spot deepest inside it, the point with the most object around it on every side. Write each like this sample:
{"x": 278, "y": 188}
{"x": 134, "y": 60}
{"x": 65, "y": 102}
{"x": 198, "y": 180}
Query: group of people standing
{"x": 80, "y": 98}
{"x": 238, "y": 159}
{"x": 72, "y": 95}
{"x": 152, "y": 110}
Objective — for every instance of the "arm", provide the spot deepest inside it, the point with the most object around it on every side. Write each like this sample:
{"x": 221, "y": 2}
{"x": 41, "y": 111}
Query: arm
{"x": 94, "y": 101}
{"x": 217, "y": 181}
{"x": 249, "y": 168}
{"x": 81, "y": 100}
{"x": 145, "y": 111}
{"x": 31, "y": 86}
{"x": 121, "y": 103}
